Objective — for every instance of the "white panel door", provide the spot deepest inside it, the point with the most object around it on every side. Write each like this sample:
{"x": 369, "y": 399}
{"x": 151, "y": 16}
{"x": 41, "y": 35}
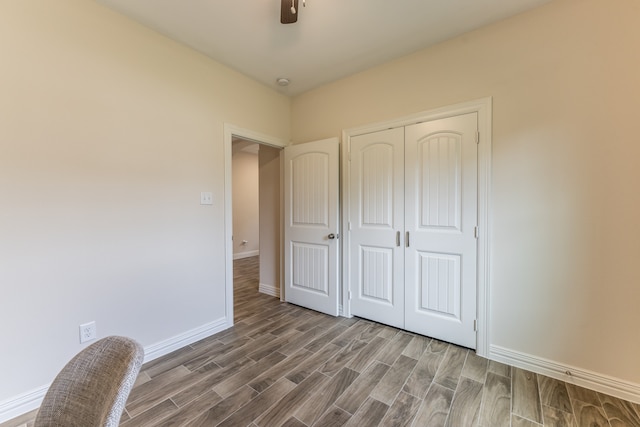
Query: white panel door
{"x": 311, "y": 225}
{"x": 376, "y": 212}
{"x": 440, "y": 218}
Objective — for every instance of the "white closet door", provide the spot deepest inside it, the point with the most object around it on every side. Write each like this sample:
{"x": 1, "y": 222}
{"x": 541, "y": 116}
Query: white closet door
{"x": 441, "y": 216}
{"x": 311, "y": 225}
{"x": 376, "y": 252}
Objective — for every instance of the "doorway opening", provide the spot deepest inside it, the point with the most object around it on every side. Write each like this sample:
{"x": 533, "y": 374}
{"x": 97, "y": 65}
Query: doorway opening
{"x": 253, "y": 210}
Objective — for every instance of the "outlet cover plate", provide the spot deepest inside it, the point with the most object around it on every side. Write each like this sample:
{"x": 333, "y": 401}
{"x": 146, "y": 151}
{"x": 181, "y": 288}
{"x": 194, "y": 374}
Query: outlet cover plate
{"x": 206, "y": 198}
{"x": 87, "y": 332}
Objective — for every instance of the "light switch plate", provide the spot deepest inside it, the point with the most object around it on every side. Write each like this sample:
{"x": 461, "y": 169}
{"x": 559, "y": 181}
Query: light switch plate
{"x": 206, "y": 198}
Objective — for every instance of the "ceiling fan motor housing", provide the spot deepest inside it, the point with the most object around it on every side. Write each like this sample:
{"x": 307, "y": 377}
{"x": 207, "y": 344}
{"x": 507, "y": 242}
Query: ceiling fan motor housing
{"x": 288, "y": 11}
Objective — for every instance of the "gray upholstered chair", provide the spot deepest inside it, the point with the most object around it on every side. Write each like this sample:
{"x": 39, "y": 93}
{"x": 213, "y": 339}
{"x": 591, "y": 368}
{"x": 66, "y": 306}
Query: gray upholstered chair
{"x": 92, "y": 389}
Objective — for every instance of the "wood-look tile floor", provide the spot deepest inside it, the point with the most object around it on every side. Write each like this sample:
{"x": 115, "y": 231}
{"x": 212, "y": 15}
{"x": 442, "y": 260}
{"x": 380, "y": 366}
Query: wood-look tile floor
{"x": 282, "y": 365}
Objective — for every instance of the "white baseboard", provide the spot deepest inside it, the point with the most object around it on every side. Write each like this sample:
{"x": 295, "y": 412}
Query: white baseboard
{"x": 26, "y": 402}
{"x": 269, "y": 290}
{"x": 189, "y": 337}
{"x": 19, "y": 405}
{"x": 240, "y": 255}
{"x": 599, "y": 382}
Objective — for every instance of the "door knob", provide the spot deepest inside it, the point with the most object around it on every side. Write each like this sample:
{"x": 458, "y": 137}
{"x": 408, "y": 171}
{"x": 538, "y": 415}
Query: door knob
{"x": 332, "y": 236}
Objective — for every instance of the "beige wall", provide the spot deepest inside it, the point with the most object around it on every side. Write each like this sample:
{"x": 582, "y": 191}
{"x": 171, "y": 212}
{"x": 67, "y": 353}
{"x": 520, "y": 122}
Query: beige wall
{"x": 108, "y": 134}
{"x": 565, "y": 281}
{"x": 270, "y": 220}
{"x": 245, "y": 203}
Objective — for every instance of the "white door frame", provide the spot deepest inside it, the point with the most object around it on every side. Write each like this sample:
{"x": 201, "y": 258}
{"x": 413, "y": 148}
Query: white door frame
{"x": 484, "y": 109}
{"x": 229, "y": 132}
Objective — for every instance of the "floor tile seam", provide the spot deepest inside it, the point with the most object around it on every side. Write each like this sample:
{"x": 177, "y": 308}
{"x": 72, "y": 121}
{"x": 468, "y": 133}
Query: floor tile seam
{"x": 183, "y": 363}
{"x": 415, "y": 358}
{"x": 441, "y": 366}
{"x": 222, "y": 356}
{"x": 318, "y": 350}
{"x": 456, "y": 391}
{"x": 636, "y": 408}
{"x": 445, "y": 386}
{"x": 307, "y": 394}
{"x": 196, "y": 414}
{"x": 401, "y": 389}
{"x": 133, "y": 400}
{"x": 558, "y": 409}
{"x": 540, "y": 396}
{"x": 418, "y": 397}
{"x": 177, "y": 408}
{"x": 261, "y": 330}
{"x": 528, "y": 419}
{"x": 604, "y": 409}
{"x": 482, "y": 399}
{"x": 284, "y": 375}
{"x": 252, "y": 354}
{"x": 611, "y": 418}
{"x": 422, "y": 402}
{"x": 359, "y": 406}
{"x": 340, "y": 337}
{"x": 390, "y": 364}
{"x": 176, "y": 392}
{"x": 297, "y": 419}
{"x": 446, "y": 420}
{"x": 329, "y": 409}
{"x": 498, "y": 375}
{"x": 572, "y": 400}
{"x": 259, "y": 392}
{"x": 511, "y": 413}
{"x": 573, "y": 415}
{"x": 365, "y": 401}
{"x": 205, "y": 363}
{"x": 473, "y": 379}
{"x": 363, "y": 369}
{"x": 334, "y": 401}
{"x": 156, "y": 362}
{"x": 210, "y": 388}
{"x": 258, "y": 395}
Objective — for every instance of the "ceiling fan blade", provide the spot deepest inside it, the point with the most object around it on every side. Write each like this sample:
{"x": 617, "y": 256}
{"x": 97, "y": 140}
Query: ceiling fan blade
{"x": 286, "y": 11}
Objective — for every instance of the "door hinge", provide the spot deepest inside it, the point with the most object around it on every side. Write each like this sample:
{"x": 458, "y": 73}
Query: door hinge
{"x": 349, "y": 295}
{"x": 349, "y": 225}
{"x": 475, "y": 325}
{"x": 476, "y": 233}
{"x": 477, "y": 137}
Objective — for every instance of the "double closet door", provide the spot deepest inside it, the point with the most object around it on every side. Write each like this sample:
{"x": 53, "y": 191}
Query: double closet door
{"x": 413, "y": 198}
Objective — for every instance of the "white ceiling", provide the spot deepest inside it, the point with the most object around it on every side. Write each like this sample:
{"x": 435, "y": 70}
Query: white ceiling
{"x": 332, "y": 38}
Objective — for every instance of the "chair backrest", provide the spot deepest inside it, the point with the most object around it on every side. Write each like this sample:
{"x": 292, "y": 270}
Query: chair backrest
{"x": 92, "y": 389}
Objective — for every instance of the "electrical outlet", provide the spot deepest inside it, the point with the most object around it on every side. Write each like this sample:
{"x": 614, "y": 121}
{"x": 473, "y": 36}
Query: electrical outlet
{"x": 206, "y": 198}
{"x": 87, "y": 332}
